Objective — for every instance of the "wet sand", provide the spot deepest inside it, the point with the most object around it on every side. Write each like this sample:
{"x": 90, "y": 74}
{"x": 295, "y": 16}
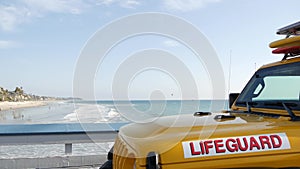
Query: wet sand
{"x": 25, "y": 104}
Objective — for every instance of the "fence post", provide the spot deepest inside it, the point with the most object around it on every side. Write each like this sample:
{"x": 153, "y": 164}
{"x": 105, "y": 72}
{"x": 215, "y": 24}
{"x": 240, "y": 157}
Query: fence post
{"x": 68, "y": 148}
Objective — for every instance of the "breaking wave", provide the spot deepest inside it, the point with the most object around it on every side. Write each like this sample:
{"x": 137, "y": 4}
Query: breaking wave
{"x": 93, "y": 113}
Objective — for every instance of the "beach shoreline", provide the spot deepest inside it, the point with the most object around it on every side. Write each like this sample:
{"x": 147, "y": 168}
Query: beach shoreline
{"x": 6, "y": 105}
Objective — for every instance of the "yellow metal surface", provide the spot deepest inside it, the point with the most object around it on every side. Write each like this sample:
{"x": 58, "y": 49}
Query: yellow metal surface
{"x": 283, "y": 62}
{"x": 167, "y": 142}
{"x": 122, "y": 157}
{"x": 263, "y": 110}
{"x": 256, "y": 161}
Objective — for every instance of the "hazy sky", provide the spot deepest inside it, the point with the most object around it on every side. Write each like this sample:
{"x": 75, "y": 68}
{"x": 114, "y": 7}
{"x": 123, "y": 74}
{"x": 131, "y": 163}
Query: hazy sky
{"x": 41, "y": 41}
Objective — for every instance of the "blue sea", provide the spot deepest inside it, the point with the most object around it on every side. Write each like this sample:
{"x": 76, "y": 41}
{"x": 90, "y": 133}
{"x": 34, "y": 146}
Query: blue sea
{"x": 93, "y": 112}
{"x": 107, "y": 111}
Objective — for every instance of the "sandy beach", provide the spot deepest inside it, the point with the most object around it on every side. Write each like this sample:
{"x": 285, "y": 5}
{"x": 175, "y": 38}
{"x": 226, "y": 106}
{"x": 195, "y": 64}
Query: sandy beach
{"x": 25, "y": 104}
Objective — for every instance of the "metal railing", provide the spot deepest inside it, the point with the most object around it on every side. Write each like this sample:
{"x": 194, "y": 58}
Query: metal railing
{"x": 67, "y": 134}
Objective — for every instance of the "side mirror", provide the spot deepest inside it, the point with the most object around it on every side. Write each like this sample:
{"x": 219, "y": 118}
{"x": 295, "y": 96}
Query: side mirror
{"x": 232, "y": 98}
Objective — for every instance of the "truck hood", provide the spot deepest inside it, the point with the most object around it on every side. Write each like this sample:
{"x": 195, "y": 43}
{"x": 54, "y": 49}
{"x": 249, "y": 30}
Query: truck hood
{"x": 171, "y": 135}
{"x": 170, "y": 126}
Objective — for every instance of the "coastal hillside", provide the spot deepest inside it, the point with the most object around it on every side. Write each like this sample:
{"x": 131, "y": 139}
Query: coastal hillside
{"x": 19, "y": 95}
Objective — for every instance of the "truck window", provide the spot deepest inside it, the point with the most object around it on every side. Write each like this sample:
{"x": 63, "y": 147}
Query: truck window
{"x": 278, "y": 88}
{"x": 273, "y": 85}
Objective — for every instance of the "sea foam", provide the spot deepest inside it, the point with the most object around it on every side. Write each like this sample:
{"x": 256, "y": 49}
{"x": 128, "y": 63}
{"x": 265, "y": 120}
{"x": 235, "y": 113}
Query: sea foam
{"x": 92, "y": 113}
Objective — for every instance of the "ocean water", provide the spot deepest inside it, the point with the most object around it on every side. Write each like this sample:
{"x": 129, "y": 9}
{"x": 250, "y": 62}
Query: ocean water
{"x": 107, "y": 111}
{"x": 93, "y": 112}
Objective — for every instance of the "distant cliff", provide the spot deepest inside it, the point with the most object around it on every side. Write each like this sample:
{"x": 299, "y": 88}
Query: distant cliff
{"x": 19, "y": 95}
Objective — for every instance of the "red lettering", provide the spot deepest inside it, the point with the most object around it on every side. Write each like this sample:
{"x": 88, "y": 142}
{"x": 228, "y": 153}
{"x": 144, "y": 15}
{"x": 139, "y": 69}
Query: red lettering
{"x": 208, "y": 145}
{"x": 193, "y": 151}
{"x": 278, "y": 143}
{"x": 219, "y": 144}
{"x": 202, "y": 147}
{"x": 240, "y": 145}
{"x": 253, "y": 143}
{"x": 265, "y": 140}
{"x": 233, "y": 146}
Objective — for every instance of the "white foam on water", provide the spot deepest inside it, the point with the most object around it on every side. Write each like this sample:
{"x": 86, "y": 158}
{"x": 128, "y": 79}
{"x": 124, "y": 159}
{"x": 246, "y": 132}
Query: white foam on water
{"x": 72, "y": 117}
{"x": 93, "y": 113}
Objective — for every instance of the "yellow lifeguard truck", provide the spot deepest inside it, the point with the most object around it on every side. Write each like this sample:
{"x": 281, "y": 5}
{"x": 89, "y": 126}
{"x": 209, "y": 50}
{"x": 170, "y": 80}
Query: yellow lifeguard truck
{"x": 261, "y": 129}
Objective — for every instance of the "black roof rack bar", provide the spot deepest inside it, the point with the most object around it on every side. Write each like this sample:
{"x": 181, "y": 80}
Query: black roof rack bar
{"x": 288, "y": 55}
{"x": 292, "y": 29}
{"x": 285, "y": 57}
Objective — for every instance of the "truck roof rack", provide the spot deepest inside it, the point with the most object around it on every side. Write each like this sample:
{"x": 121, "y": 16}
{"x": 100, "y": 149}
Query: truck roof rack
{"x": 289, "y": 30}
{"x": 292, "y": 29}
